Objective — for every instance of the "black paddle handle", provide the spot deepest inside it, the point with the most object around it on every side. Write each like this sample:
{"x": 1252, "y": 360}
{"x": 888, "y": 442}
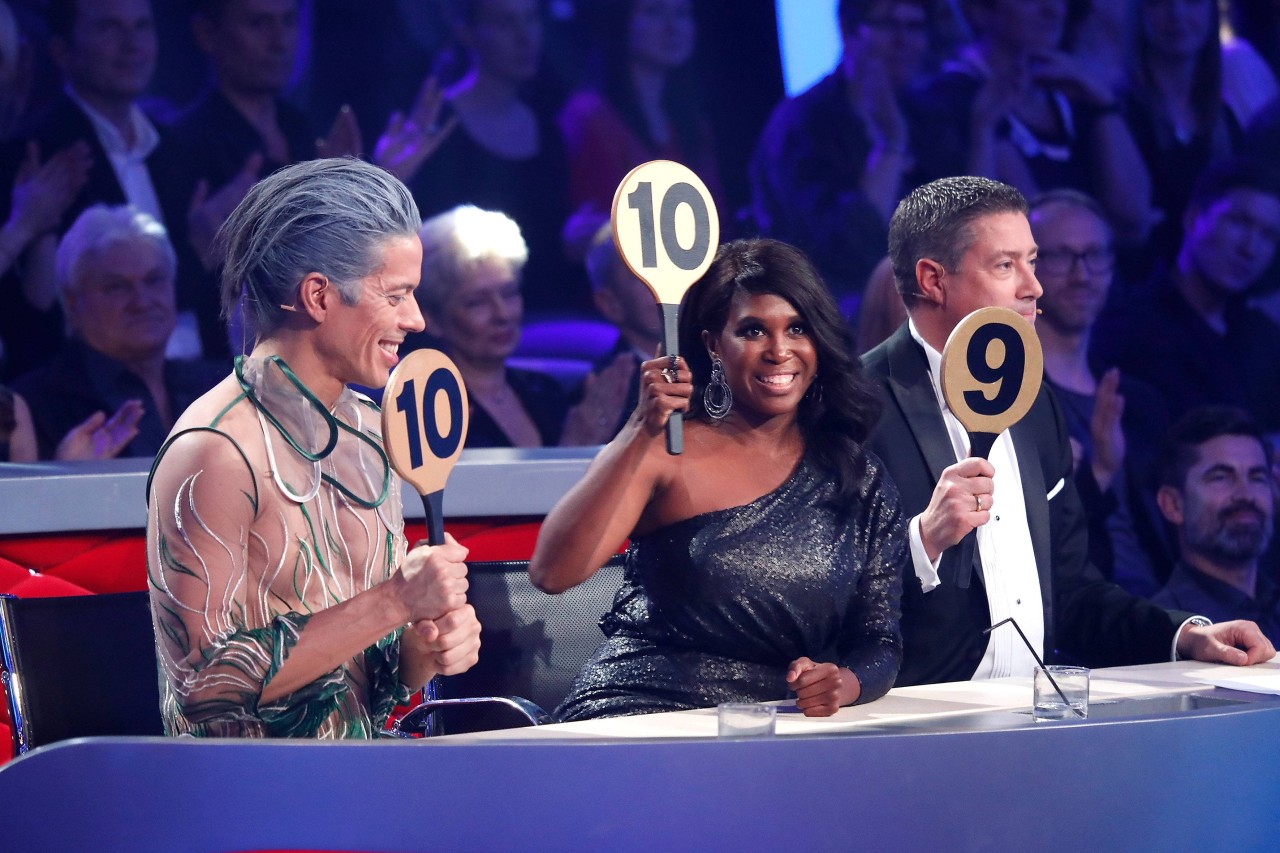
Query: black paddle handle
{"x": 433, "y": 510}
{"x": 980, "y": 444}
{"x": 670, "y": 315}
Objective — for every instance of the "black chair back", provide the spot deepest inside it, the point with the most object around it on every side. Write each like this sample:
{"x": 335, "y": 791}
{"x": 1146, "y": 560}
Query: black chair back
{"x": 79, "y": 666}
{"x": 532, "y": 644}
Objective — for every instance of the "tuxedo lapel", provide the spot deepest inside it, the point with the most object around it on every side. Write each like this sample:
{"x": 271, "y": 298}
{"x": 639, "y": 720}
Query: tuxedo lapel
{"x": 912, "y": 390}
{"x": 1034, "y": 491}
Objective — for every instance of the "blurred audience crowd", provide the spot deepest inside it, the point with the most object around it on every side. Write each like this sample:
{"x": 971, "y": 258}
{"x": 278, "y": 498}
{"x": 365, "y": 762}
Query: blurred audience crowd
{"x": 1143, "y": 131}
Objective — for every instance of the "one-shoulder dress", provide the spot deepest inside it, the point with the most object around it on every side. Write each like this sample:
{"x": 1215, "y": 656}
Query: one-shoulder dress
{"x": 714, "y": 608}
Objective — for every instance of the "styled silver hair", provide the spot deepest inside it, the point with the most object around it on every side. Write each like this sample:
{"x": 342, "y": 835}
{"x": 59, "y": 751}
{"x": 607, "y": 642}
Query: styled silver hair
{"x": 456, "y": 241}
{"x": 100, "y": 227}
{"x": 328, "y": 216}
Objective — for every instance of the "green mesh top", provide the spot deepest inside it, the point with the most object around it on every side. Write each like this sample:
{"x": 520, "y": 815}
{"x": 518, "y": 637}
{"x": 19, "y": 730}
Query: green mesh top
{"x": 273, "y": 510}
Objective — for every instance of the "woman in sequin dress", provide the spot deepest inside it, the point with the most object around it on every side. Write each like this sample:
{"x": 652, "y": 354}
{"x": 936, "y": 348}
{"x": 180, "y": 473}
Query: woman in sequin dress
{"x": 767, "y": 559}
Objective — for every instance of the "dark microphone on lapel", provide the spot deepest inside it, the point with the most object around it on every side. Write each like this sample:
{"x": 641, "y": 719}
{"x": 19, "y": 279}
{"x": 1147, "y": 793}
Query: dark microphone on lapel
{"x": 1039, "y": 662}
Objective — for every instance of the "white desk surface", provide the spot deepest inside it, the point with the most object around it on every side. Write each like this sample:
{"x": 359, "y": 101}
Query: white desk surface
{"x": 901, "y": 704}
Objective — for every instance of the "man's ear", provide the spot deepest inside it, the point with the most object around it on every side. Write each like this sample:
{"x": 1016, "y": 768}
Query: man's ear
{"x": 315, "y": 297}
{"x": 1169, "y": 500}
{"x": 929, "y": 281}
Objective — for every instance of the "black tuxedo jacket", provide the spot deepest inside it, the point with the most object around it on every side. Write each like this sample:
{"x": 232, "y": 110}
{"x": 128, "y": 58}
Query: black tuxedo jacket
{"x": 1087, "y": 619}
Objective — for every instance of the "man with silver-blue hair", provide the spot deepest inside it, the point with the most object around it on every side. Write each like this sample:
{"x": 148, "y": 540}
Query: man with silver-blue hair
{"x": 285, "y": 600}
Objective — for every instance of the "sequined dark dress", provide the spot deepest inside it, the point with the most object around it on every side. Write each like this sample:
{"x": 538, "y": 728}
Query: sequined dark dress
{"x": 715, "y": 607}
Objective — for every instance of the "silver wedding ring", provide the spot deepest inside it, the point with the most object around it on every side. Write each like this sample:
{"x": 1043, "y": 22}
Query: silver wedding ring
{"x": 669, "y": 374}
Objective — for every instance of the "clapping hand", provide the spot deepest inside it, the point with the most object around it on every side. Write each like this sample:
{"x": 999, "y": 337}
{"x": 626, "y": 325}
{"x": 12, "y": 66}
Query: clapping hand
{"x": 208, "y": 211}
{"x": 99, "y": 436}
{"x": 1106, "y": 431}
{"x": 343, "y": 138}
{"x": 409, "y": 140}
{"x": 42, "y": 192}
{"x": 592, "y": 420}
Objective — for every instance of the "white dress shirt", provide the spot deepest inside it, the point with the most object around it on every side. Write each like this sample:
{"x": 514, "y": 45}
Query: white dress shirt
{"x": 1004, "y": 545}
{"x": 129, "y": 162}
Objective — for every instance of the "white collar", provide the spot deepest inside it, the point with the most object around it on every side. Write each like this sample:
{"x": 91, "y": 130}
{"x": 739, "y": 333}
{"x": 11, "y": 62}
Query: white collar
{"x": 935, "y": 363}
{"x": 144, "y": 132}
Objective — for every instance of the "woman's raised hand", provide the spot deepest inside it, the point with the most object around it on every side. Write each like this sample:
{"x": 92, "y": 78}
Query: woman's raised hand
{"x": 666, "y": 385}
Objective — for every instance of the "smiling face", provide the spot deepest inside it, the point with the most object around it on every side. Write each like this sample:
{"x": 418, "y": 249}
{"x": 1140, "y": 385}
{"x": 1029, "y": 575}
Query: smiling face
{"x": 363, "y": 339}
{"x": 122, "y": 301}
{"x": 1075, "y": 265}
{"x": 480, "y": 319}
{"x": 1224, "y": 510}
{"x": 768, "y": 355}
{"x": 998, "y": 269}
{"x": 110, "y": 54}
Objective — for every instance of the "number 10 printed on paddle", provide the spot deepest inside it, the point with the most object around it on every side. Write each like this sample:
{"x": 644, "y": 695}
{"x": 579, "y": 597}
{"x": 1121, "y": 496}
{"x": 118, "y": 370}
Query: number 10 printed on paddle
{"x": 666, "y": 229}
{"x": 424, "y": 425}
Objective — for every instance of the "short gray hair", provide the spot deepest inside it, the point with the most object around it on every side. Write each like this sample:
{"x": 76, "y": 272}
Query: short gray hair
{"x": 933, "y": 221}
{"x": 457, "y": 241}
{"x": 329, "y": 216}
{"x": 100, "y": 227}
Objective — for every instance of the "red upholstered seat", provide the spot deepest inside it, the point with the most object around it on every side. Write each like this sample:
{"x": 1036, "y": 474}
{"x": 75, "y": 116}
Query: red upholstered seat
{"x": 41, "y": 551}
{"x": 116, "y": 565}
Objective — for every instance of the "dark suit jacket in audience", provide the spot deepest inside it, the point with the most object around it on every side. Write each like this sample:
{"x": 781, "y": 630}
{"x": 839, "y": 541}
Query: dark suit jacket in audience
{"x": 80, "y": 381}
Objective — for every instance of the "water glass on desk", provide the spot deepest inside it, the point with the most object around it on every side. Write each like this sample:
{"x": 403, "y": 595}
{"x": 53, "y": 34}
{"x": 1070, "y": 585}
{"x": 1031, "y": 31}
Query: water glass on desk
{"x": 1071, "y": 704}
{"x": 746, "y": 719}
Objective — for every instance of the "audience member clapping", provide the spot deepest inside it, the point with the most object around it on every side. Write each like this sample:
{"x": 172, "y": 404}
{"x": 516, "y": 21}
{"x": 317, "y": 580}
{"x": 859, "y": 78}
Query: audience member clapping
{"x": 101, "y": 147}
{"x": 503, "y": 155}
{"x": 1114, "y": 422}
{"x": 115, "y": 270}
{"x": 612, "y": 389}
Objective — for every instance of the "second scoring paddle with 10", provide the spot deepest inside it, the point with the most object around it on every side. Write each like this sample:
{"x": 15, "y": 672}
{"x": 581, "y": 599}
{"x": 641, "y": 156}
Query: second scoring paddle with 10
{"x": 684, "y": 221}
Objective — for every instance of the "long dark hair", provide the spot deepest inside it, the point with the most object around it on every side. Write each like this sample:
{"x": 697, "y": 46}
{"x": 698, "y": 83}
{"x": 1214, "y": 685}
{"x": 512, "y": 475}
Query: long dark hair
{"x": 1206, "y": 85}
{"x": 841, "y": 407}
{"x": 609, "y": 22}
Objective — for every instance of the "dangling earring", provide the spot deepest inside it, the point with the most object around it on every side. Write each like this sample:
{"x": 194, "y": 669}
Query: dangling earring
{"x": 717, "y": 399}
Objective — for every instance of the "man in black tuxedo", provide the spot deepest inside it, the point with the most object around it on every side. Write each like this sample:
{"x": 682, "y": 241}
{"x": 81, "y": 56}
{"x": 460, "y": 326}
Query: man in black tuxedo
{"x": 956, "y": 245}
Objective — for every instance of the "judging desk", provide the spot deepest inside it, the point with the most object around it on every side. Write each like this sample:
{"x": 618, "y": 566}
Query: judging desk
{"x": 1164, "y": 762}
{"x": 57, "y": 497}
